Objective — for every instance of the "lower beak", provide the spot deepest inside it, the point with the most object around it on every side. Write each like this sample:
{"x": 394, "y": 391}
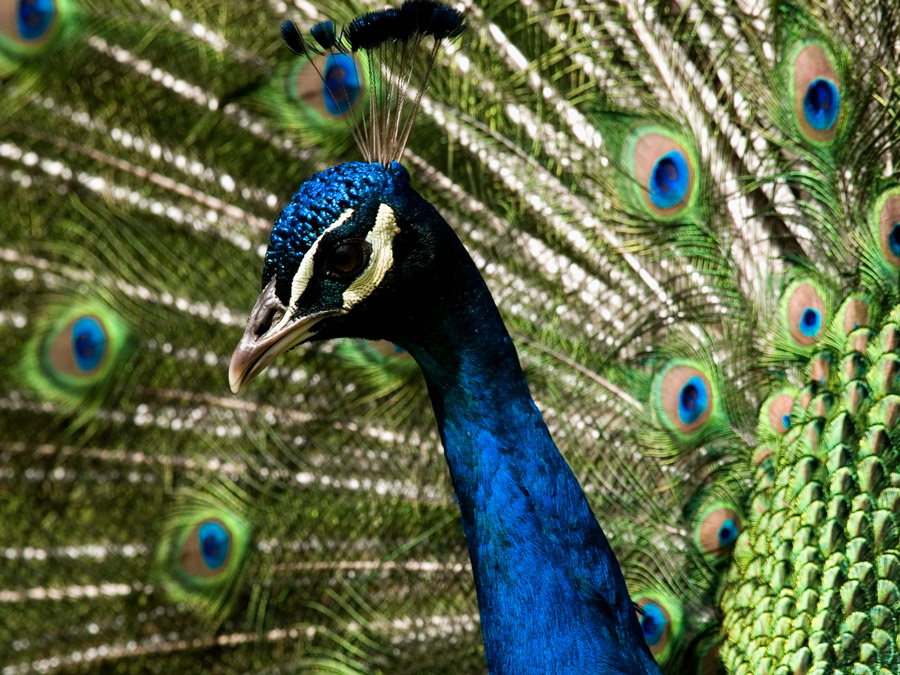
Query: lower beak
{"x": 266, "y": 336}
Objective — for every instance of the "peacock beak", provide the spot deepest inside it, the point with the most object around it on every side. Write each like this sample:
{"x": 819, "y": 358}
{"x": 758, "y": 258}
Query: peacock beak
{"x": 268, "y": 334}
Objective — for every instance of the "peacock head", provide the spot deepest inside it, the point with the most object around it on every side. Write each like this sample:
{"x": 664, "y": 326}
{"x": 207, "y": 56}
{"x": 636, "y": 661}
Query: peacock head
{"x": 354, "y": 250}
{"x": 357, "y": 248}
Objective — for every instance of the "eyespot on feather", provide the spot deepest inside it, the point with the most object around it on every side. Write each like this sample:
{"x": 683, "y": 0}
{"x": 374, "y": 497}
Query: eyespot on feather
{"x": 203, "y": 555}
{"x": 778, "y": 413}
{"x": 661, "y": 622}
{"x": 27, "y": 26}
{"x": 81, "y": 347}
{"x": 717, "y": 530}
{"x": 685, "y": 396}
{"x": 856, "y": 315}
{"x": 805, "y": 314}
{"x": 207, "y": 549}
{"x": 820, "y": 368}
{"x": 655, "y": 622}
{"x": 817, "y": 94}
{"x": 75, "y": 351}
{"x": 664, "y": 171}
{"x": 331, "y": 85}
{"x": 889, "y": 229}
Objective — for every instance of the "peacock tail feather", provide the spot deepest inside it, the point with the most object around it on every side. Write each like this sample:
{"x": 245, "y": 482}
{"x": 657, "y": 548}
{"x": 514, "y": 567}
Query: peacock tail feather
{"x": 688, "y": 214}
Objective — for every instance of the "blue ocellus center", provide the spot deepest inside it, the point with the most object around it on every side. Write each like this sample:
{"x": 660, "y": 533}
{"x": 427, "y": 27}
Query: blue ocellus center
{"x": 786, "y": 421}
{"x": 669, "y": 180}
{"x": 821, "y": 104}
{"x": 35, "y": 17}
{"x": 810, "y": 322}
{"x": 88, "y": 343}
{"x": 728, "y": 532}
{"x": 213, "y": 541}
{"x": 692, "y": 400}
{"x": 653, "y": 623}
{"x": 341, "y": 84}
{"x": 894, "y": 239}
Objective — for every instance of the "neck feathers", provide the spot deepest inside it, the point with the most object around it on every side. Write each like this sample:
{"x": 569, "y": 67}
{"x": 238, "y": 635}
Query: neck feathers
{"x": 550, "y": 591}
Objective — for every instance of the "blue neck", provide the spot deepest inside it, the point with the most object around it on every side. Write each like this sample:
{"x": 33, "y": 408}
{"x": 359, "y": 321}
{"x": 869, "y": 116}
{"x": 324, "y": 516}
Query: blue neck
{"x": 550, "y": 592}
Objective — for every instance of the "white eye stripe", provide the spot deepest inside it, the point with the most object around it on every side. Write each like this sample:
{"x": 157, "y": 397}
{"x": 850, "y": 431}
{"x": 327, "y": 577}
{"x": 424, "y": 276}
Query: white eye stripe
{"x": 381, "y": 238}
{"x": 305, "y": 271}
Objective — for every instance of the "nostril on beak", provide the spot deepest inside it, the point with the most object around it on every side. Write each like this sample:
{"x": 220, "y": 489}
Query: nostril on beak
{"x": 272, "y": 315}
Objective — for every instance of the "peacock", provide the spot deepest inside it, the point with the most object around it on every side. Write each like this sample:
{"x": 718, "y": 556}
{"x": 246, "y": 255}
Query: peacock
{"x": 352, "y": 255}
{"x": 687, "y": 214}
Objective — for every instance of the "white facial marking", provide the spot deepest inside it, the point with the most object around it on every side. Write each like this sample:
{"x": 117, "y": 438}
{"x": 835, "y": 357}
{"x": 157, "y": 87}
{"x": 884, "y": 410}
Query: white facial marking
{"x": 305, "y": 271}
{"x": 381, "y": 238}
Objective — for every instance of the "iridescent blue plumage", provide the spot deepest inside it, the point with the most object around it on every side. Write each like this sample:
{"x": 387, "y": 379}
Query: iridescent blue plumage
{"x": 317, "y": 204}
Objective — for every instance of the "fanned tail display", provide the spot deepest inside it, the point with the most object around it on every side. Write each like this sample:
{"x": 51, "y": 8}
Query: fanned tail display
{"x": 687, "y": 213}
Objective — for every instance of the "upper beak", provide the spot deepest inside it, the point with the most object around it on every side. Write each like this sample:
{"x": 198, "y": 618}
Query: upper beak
{"x": 266, "y": 336}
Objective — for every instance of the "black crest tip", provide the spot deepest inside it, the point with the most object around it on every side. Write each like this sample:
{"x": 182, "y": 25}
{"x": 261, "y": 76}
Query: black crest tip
{"x": 414, "y": 18}
{"x": 368, "y": 31}
{"x": 446, "y": 24}
{"x": 325, "y": 35}
{"x": 291, "y": 35}
{"x": 434, "y": 18}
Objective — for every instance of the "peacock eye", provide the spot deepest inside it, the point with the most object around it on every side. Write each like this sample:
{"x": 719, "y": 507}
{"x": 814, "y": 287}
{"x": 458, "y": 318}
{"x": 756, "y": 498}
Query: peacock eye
{"x": 347, "y": 259}
{"x": 817, "y": 93}
{"x": 213, "y": 544}
{"x": 805, "y": 313}
{"x": 669, "y": 180}
{"x": 692, "y": 400}
{"x": 821, "y": 104}
{"x": 207, "y": 549}
{"x": 653, "y": 623}
{"x": 35, "y": 18}
{"x": 894, "y": 239}
{"x": 717, "y": 529}
{"x": 888, "y": 224}
{"x": 341, "y": 86}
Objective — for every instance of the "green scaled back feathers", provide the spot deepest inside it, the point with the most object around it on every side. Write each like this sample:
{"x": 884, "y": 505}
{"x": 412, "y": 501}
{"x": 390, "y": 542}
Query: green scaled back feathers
{"x": 689, "y": 215}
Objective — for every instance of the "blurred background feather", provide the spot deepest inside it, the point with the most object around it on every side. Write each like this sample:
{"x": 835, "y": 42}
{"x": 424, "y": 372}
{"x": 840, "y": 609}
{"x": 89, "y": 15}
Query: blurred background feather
{"x": 687, "y": 213}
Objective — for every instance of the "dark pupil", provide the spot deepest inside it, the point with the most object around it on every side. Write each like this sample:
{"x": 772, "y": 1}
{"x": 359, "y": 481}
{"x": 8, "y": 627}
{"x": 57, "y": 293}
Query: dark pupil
{"x": 809, "y": 318}
{"x": 334, "y": 80}
{"x": 894, "y": 238}
{"x": 689, "y": 397}
{"x": 345, "y": 258}
{"x": 648, "y": 624}
{"x": 725, "y": 533}
{"x": 84, "y": 345}
{"x": 211, "y": 546}
{"x": 31, "y": 14}
{"x": 666, "y": 174}
{"x": 820, "y": 97}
